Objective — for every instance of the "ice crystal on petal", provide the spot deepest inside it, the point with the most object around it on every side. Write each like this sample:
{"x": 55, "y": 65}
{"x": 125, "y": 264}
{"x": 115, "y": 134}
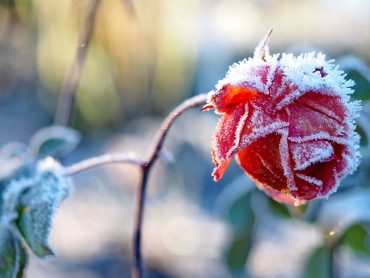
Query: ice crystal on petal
{"x": 307, "y": 153}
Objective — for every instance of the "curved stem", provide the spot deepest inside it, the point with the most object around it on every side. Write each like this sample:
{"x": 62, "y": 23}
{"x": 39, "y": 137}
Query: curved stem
{"x": 67, "y": 96}
{"x": 137, "y": 267}
{"x": 145, "y": 166}
{"x": 93, "y": 162}
{"x": 162, "y": 132}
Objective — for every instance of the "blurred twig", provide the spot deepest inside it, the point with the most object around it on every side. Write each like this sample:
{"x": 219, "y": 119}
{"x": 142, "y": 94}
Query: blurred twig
{"x": 67, "y": 96}
{"x": 129, "y": 6}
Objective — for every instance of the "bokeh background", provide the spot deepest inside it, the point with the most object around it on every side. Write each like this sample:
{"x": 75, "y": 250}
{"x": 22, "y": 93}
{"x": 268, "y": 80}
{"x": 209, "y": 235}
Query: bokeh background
{"x": 144, "y": 58}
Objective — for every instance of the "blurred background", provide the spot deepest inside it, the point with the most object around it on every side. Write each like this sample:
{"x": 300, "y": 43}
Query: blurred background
{"x": 144, "y": 58}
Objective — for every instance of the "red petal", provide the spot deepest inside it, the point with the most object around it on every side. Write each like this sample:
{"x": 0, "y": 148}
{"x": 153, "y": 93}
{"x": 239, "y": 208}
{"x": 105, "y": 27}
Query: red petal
{"x": 261, "y": 160}
{"x": 325, "y": 172}
{"x": 305, "y": 121}
{"x": 226, "y": 138}
{"x": 307, "y": 153}
{"x": 230, "y": 96}
{"x": 328, "y": 105}
{"x": 260, "y": 124}
{"x": 207, "y": 107}
{"x": 278, "y": 196}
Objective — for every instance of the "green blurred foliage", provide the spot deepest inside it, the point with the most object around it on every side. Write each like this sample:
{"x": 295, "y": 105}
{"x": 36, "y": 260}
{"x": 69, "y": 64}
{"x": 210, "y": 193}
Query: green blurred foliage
{"x": 357, "y": 238}
{"x": 362, "y": 85}
{"x": 279, "y": 208}
{"x": 242, "y": 220}
{"x": 319, "y": 263}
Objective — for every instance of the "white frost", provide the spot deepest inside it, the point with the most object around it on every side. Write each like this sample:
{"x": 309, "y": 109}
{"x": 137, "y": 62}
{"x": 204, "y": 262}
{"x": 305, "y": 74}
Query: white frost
{"x": 306, "y": 154}
{"x": 309, "y": 179}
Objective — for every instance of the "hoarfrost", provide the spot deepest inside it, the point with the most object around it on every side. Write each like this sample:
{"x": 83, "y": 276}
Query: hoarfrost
{"x": 307, "y": 153}
{"x": 285, "y": 162}
{"x": 309, "y": 179}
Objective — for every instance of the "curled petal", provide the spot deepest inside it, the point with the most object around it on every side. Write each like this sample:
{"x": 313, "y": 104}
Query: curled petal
{"x": 261, "y": 160}
{"x": 226, "y": 137}
{"x": 307, "y": 153}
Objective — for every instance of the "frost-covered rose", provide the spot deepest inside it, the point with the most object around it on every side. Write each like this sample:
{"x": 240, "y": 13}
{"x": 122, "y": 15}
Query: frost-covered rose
{"x": 290, "y": 123}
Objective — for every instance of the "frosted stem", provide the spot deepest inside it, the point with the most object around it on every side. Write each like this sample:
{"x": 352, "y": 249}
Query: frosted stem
{"x": 93, "y": 162}
{"x": 145, "y": 166}
{"x": 137, "y": 267}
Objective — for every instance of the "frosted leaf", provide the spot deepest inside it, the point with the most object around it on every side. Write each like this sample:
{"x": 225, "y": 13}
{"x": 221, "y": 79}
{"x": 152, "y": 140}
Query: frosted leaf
{"x": 11, "y": 254}
{"x": 54, "y": 140}
{"x": 38, "y": 204}
{"x": 30, "y": 201}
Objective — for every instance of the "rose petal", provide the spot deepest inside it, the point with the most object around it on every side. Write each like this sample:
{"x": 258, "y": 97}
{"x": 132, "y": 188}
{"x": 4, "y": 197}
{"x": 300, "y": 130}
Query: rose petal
{"x": 328, "y": 105}
{"x": 230, "y": 96}
{"x": 261, "y": 160}
{"x": 307, "y": 153}
{"x": 226, "y": 137}
{"x": 325, "y": 172}
{"x": 305, "y": 122}
{"x": 261, "y": 124}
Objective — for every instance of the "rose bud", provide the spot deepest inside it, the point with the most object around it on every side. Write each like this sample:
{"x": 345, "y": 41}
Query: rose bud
{"x": 289, "y": 122}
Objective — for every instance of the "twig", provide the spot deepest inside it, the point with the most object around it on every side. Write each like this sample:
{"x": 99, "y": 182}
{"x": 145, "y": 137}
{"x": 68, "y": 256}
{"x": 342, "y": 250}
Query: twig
{"x": 137, "y": 267}
{"x": 145, "y": 166}
{"x": 67, "y": 96}
{"x": 93, "y": 162}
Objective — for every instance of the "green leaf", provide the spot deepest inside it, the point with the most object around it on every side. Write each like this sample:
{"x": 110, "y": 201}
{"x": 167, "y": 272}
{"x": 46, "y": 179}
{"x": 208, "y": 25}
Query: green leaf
{"x": 357, "y": 237}
{"x": 279, "y": 208}
{"x": 362, "y": 85}
{"x": 12, "y": 257}
{"x": 364, "y": 137}
{"x": 242, "y": 219}
{"x": 240, "y": 213}
{"x": 37, "y": 207}
{"x": 56, "y": 141}
{"x": 7, "y": 3}
{"x": 319, "y": 263}
{"x": 238, "y": 251}
{"x": 23, "y": 260}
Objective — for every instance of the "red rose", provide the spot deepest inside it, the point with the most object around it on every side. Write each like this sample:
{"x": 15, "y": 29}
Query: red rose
{"x": 290, "y": 123}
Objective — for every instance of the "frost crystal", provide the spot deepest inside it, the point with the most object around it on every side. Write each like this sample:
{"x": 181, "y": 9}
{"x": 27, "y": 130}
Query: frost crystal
{"x": 289, "y": 120}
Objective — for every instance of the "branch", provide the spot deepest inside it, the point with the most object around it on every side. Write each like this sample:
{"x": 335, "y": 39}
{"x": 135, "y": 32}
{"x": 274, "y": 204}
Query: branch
{"x": 145, "y": 166}
{"x": 67, "y": 96}
{"x": 93, "y": 162}
{"x": 162, "y": 132}
{"x": 137, "y": 268}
